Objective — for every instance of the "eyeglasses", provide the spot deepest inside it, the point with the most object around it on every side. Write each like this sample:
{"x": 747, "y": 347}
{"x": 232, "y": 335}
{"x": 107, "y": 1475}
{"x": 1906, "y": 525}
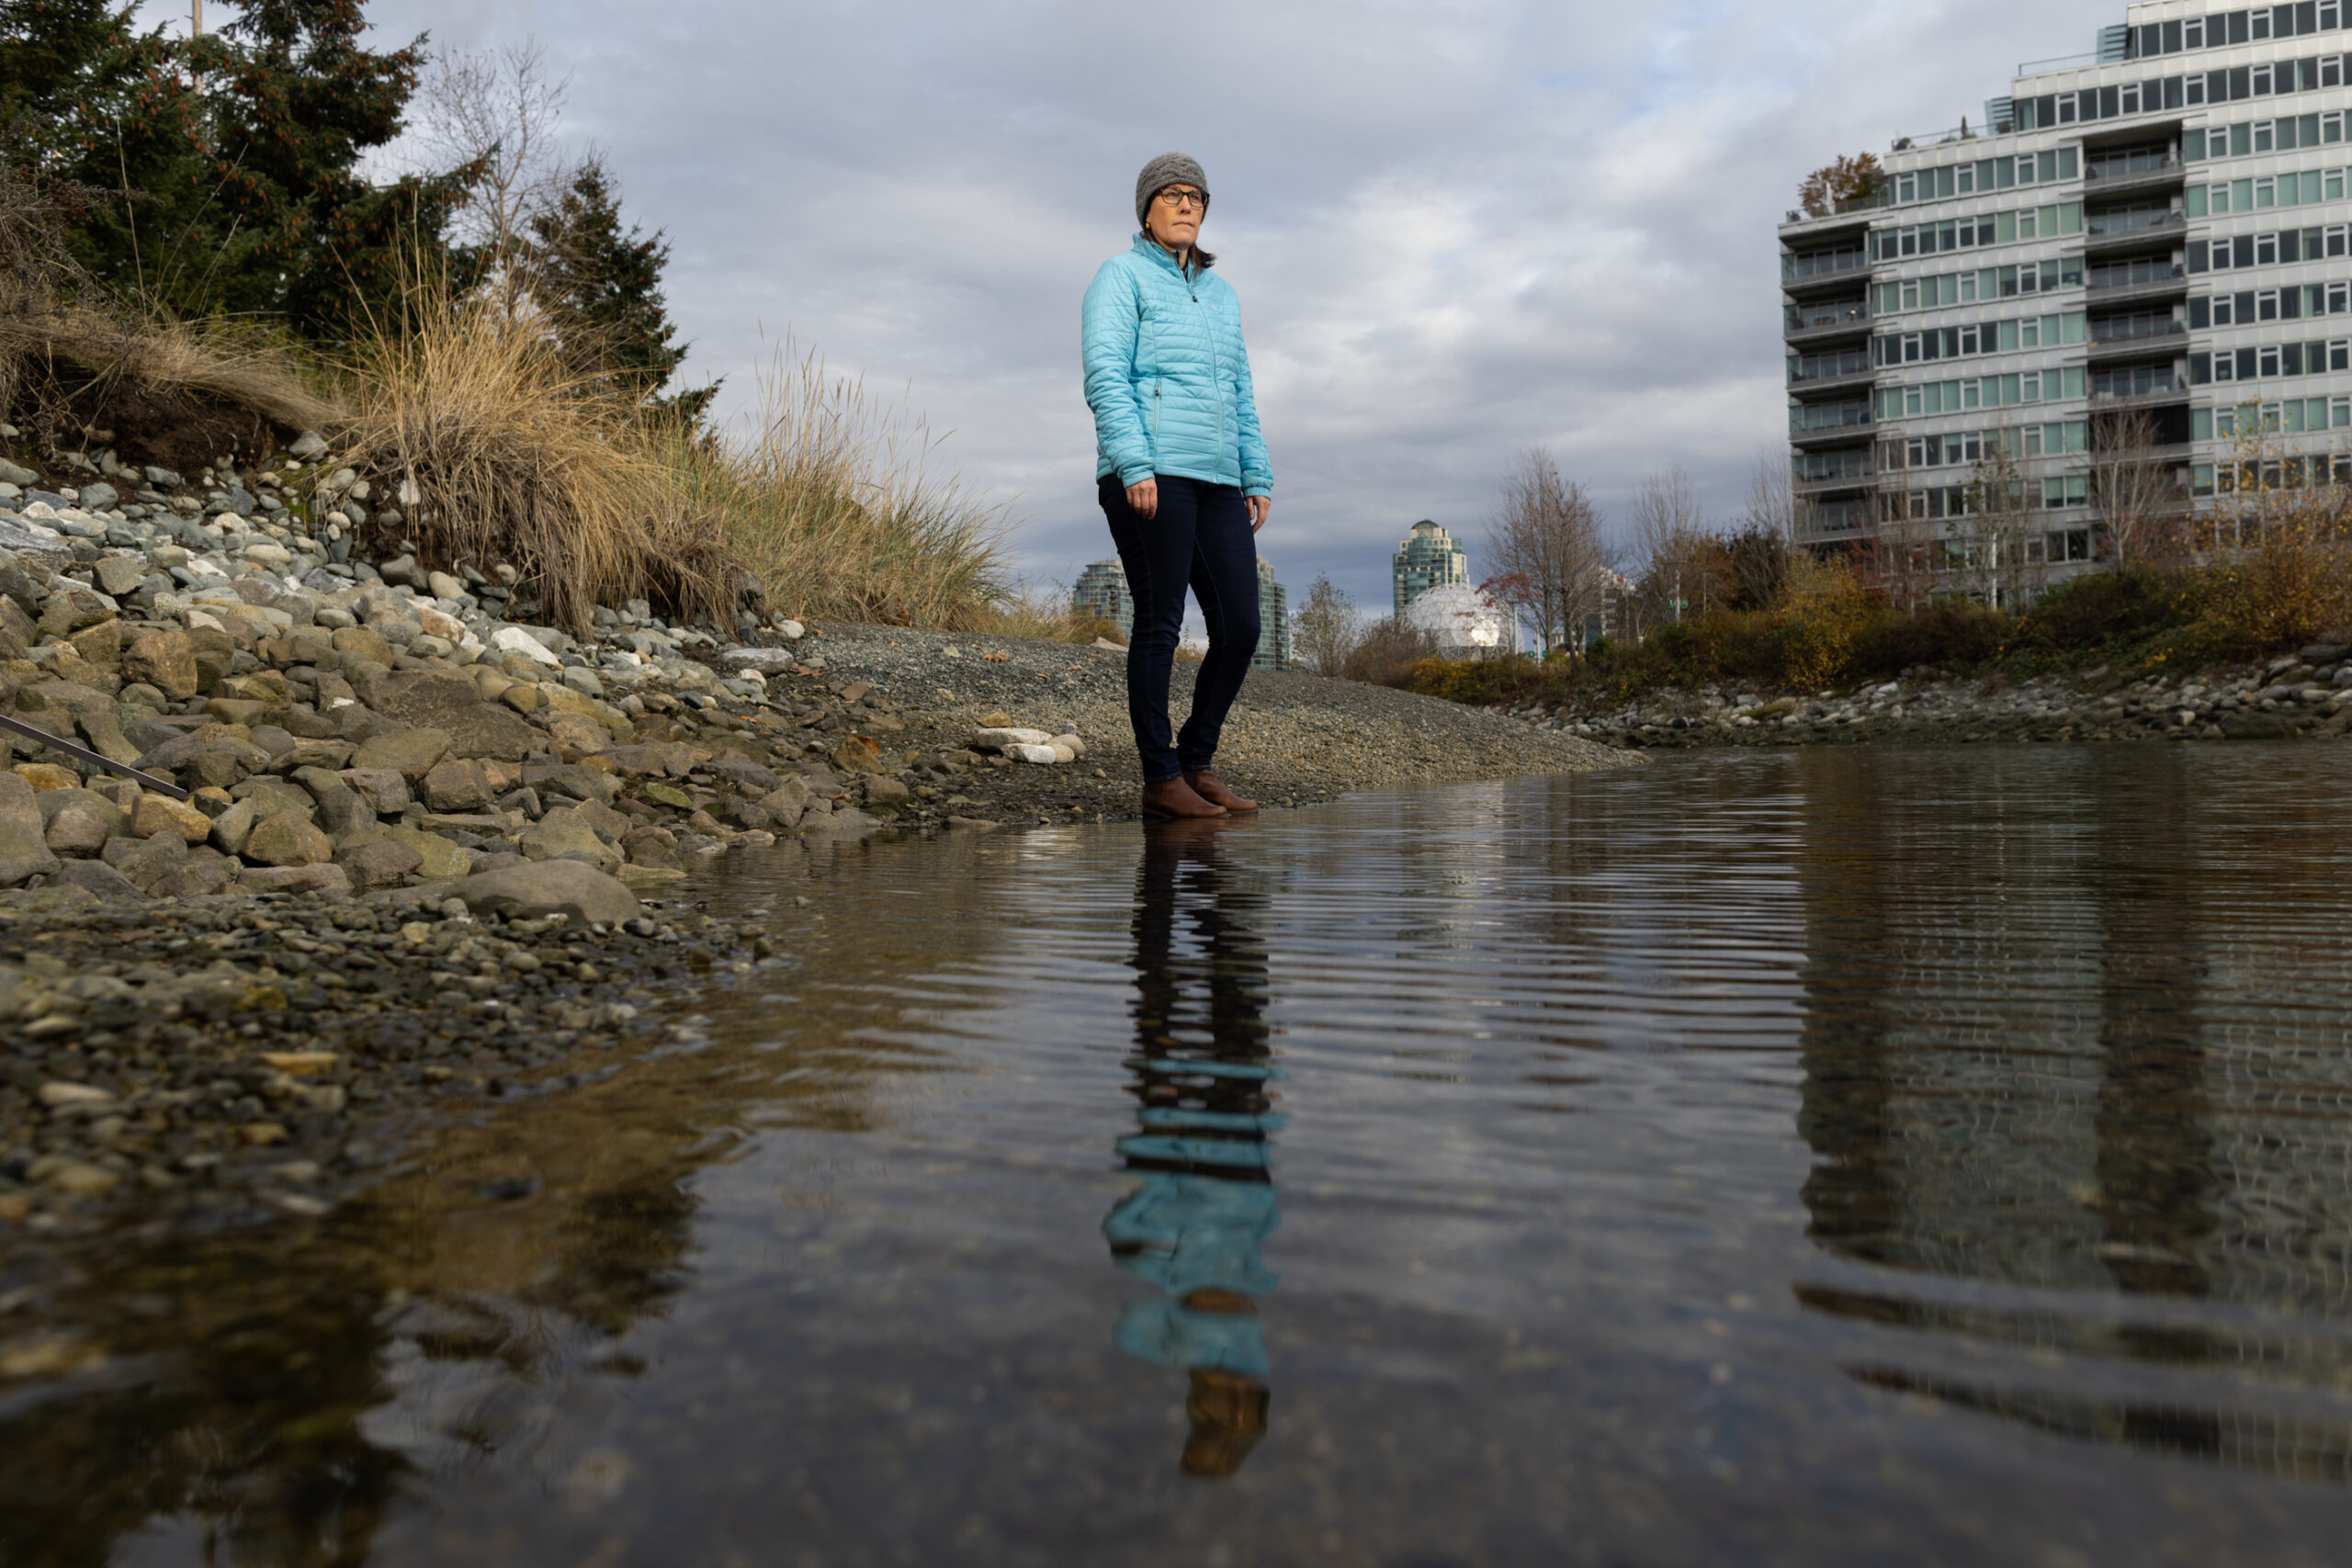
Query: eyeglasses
{"x": 1180, "y": 200}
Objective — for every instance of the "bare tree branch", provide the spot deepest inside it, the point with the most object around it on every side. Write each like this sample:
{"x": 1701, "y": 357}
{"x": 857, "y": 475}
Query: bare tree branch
{"x": 1680, "y": 564}
{"x": 1545, "y": 544}
{"x": 2135, "y": 493}
{"x": 501, "y": 108}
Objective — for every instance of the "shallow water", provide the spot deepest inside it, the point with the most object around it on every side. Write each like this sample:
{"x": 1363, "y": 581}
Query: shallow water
{"x": 1826, "y": 1157}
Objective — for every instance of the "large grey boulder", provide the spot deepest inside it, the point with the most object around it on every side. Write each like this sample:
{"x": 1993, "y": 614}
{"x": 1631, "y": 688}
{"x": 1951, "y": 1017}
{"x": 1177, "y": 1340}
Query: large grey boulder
{"x": 24, "y": 851}
{"x": 96, "y": 876}
{"x": 434, "y": 699}
{"x": 568, "y": 887}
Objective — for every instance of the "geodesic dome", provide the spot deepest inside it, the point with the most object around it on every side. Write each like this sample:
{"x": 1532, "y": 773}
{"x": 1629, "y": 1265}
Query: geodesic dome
{"x": 1466, "y": 623}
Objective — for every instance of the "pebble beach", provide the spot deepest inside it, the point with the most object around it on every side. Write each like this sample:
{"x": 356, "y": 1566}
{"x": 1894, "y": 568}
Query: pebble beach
{"x": 379, "y": 845}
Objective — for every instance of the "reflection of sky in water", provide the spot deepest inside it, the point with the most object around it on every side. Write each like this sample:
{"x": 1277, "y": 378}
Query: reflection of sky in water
{"x": 1201, "y": 1071}
{"x": 1753, "y": 1159}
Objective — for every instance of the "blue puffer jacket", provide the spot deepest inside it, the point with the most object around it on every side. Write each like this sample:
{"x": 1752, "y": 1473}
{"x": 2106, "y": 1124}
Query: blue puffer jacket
{"x": 1167, "y": 376}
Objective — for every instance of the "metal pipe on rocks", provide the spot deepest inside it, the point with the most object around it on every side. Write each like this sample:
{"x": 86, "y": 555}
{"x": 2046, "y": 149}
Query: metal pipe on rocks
{"x": 81, "y": 753}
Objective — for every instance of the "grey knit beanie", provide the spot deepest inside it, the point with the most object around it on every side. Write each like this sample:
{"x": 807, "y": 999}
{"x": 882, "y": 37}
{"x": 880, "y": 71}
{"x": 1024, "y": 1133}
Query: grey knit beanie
{"x": 1167, "y": 169}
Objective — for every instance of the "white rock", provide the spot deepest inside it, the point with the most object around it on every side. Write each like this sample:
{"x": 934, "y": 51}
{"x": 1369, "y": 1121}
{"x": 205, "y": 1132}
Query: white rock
{"x": 445, "y": 586}
{"x": 1062, "y": 750}
{"x": 200, "y": 620}
{"x": 775, "y": 659}
{"x": 1006, "y": 740}
{"x": 793, "y": 630}
{"x": 1070, "y": 739}
{"x": 1047, "y": 755}
{"x": 57, "y": 1096}
{"x": 37, "y": 510}
{"x": 514, "y": 639}
{"x": 267, "y": 554}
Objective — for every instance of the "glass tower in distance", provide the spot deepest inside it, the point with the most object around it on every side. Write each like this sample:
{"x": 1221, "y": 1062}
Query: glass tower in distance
{"x": 1427, "y": 557}
{"x": 2134, "y": 253}
{"x": 1273, "y": 621}
{"x": 1102, "y": 590}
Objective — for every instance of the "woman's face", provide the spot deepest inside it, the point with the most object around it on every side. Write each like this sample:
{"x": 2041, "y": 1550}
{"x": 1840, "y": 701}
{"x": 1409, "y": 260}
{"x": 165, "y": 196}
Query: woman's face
{"x": 1175, "y": 214}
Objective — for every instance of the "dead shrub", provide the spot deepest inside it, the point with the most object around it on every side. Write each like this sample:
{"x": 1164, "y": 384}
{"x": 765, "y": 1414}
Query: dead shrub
{"x": 826, "y": 495}
{"x": 1387, "y": 652}
{"x": 499, "y": 451}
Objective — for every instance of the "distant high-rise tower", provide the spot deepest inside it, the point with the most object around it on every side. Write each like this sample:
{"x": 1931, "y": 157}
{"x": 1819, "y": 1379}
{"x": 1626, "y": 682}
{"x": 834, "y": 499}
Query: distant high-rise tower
{"x": 1428, "y": 557}
{"x": 1102, "y": 590}
{"x": 1273, "y": 621}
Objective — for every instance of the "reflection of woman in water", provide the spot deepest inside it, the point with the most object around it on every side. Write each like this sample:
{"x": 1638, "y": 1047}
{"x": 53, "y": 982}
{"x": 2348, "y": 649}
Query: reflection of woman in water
{"x": 1202, "y": 1065}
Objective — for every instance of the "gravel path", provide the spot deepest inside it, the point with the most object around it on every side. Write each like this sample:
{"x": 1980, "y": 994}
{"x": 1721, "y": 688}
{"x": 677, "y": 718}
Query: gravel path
{"x": 1292, "y": 740}
{"x": 392, "y": 849}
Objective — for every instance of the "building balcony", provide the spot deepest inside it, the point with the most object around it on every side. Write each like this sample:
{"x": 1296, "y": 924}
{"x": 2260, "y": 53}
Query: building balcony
{"x": 1826, "y": 323}
{"x": 2141, "y": 392}
{"x": 2138, "y": 344}
{"x": 1826, "y": 383}
{"x": 1813, "y": 277}
{"x": 2103, "y": 234}
{"x": 1827, "y": 435}
{"x": 1841, "y": 484}
{"x": 2134, "y": 177}
{"x": 2138, "y": 284}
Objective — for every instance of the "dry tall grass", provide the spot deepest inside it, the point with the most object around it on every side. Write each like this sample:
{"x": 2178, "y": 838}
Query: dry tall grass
{"x": 1047, "y": 614}
{"x": 63, "y": 347}
{"x": 825, "y": 496}
{"x": 512, "y": 456}
{"x": 103, "y": 354}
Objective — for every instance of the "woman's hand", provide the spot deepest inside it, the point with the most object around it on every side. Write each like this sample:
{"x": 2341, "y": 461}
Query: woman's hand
{"x": 1143, "y": 499}
{"x": 1259, "y": 507}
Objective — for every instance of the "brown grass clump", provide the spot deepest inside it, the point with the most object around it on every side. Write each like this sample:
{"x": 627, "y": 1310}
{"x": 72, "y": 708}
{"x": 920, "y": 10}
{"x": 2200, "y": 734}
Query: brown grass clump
{"x": 1387, "y": 651}
{"x": 74, "y": 358}
{"x": 71, "y": 359}
{"x": 511, "y": 455}
{"x": 1046, "y": 613}
{"x": 826, "y": 498}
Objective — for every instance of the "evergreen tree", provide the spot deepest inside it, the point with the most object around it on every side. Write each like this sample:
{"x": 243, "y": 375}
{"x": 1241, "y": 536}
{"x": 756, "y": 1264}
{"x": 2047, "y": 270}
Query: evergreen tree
{"x": 232, "y": 158}
{"x": 301, "y": 103}
{"x": 98, "y": 113}
{"x": 601, "y": 289}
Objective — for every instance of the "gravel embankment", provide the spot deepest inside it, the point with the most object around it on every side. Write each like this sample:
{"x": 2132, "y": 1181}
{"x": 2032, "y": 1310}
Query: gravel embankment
{"x": 2306, "y": 694}
{"x": 1291, "y": 740}
{"x": 395, "y": 841}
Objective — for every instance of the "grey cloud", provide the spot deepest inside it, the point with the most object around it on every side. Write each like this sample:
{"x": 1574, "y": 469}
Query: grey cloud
{"x": 1458, "y": 229}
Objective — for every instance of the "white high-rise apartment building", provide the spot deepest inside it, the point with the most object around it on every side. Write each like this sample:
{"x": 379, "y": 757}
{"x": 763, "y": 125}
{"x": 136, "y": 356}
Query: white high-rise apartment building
{"x": 2130, "y": 253}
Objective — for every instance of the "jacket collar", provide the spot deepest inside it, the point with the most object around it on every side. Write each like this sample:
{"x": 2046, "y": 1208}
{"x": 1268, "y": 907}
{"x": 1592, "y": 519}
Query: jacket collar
{"x": 1153, "y": 250}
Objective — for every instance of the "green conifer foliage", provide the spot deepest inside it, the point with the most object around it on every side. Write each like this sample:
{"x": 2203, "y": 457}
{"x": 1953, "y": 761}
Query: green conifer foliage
{"x": 232, "y": 160}
{"x": 102, "y": 117}
{"x": 302, "y": 104}
{"x": 601, "y": 288}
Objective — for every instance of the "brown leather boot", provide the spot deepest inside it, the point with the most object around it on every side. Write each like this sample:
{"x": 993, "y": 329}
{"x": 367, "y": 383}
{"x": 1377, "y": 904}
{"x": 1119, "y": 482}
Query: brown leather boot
{"x": 1211, "y": 788}
{"x": 1174, "y": 798}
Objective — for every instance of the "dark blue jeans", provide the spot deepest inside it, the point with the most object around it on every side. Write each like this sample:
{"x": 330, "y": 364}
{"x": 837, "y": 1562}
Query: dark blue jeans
{"x": 1201, "y": 539}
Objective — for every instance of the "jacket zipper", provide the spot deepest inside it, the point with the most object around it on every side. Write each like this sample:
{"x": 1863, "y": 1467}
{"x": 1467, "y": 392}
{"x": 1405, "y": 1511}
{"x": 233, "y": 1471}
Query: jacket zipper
{"x": 1216, "y": 362}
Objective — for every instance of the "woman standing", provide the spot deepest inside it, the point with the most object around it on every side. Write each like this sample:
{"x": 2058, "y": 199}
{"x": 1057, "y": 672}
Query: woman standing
{"x": 1182, "y": 476}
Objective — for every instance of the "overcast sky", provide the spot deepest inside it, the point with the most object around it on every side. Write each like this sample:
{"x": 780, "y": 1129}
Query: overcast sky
{"x": 1458, "y": 228}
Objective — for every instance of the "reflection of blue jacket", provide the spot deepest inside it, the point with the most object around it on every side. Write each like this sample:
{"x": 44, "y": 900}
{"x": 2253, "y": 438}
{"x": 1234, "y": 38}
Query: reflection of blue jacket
{"x": 1187, "y": 1233}
{"x": 1167, "y": 376}
{"x": 1159, "y": 1330}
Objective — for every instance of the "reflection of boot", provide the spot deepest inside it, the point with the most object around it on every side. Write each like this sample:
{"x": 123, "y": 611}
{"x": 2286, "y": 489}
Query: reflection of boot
{"x": 1228, "y": 1415}
{"x": 1174, "y": 798}
{"x": 1211, "y": 788}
